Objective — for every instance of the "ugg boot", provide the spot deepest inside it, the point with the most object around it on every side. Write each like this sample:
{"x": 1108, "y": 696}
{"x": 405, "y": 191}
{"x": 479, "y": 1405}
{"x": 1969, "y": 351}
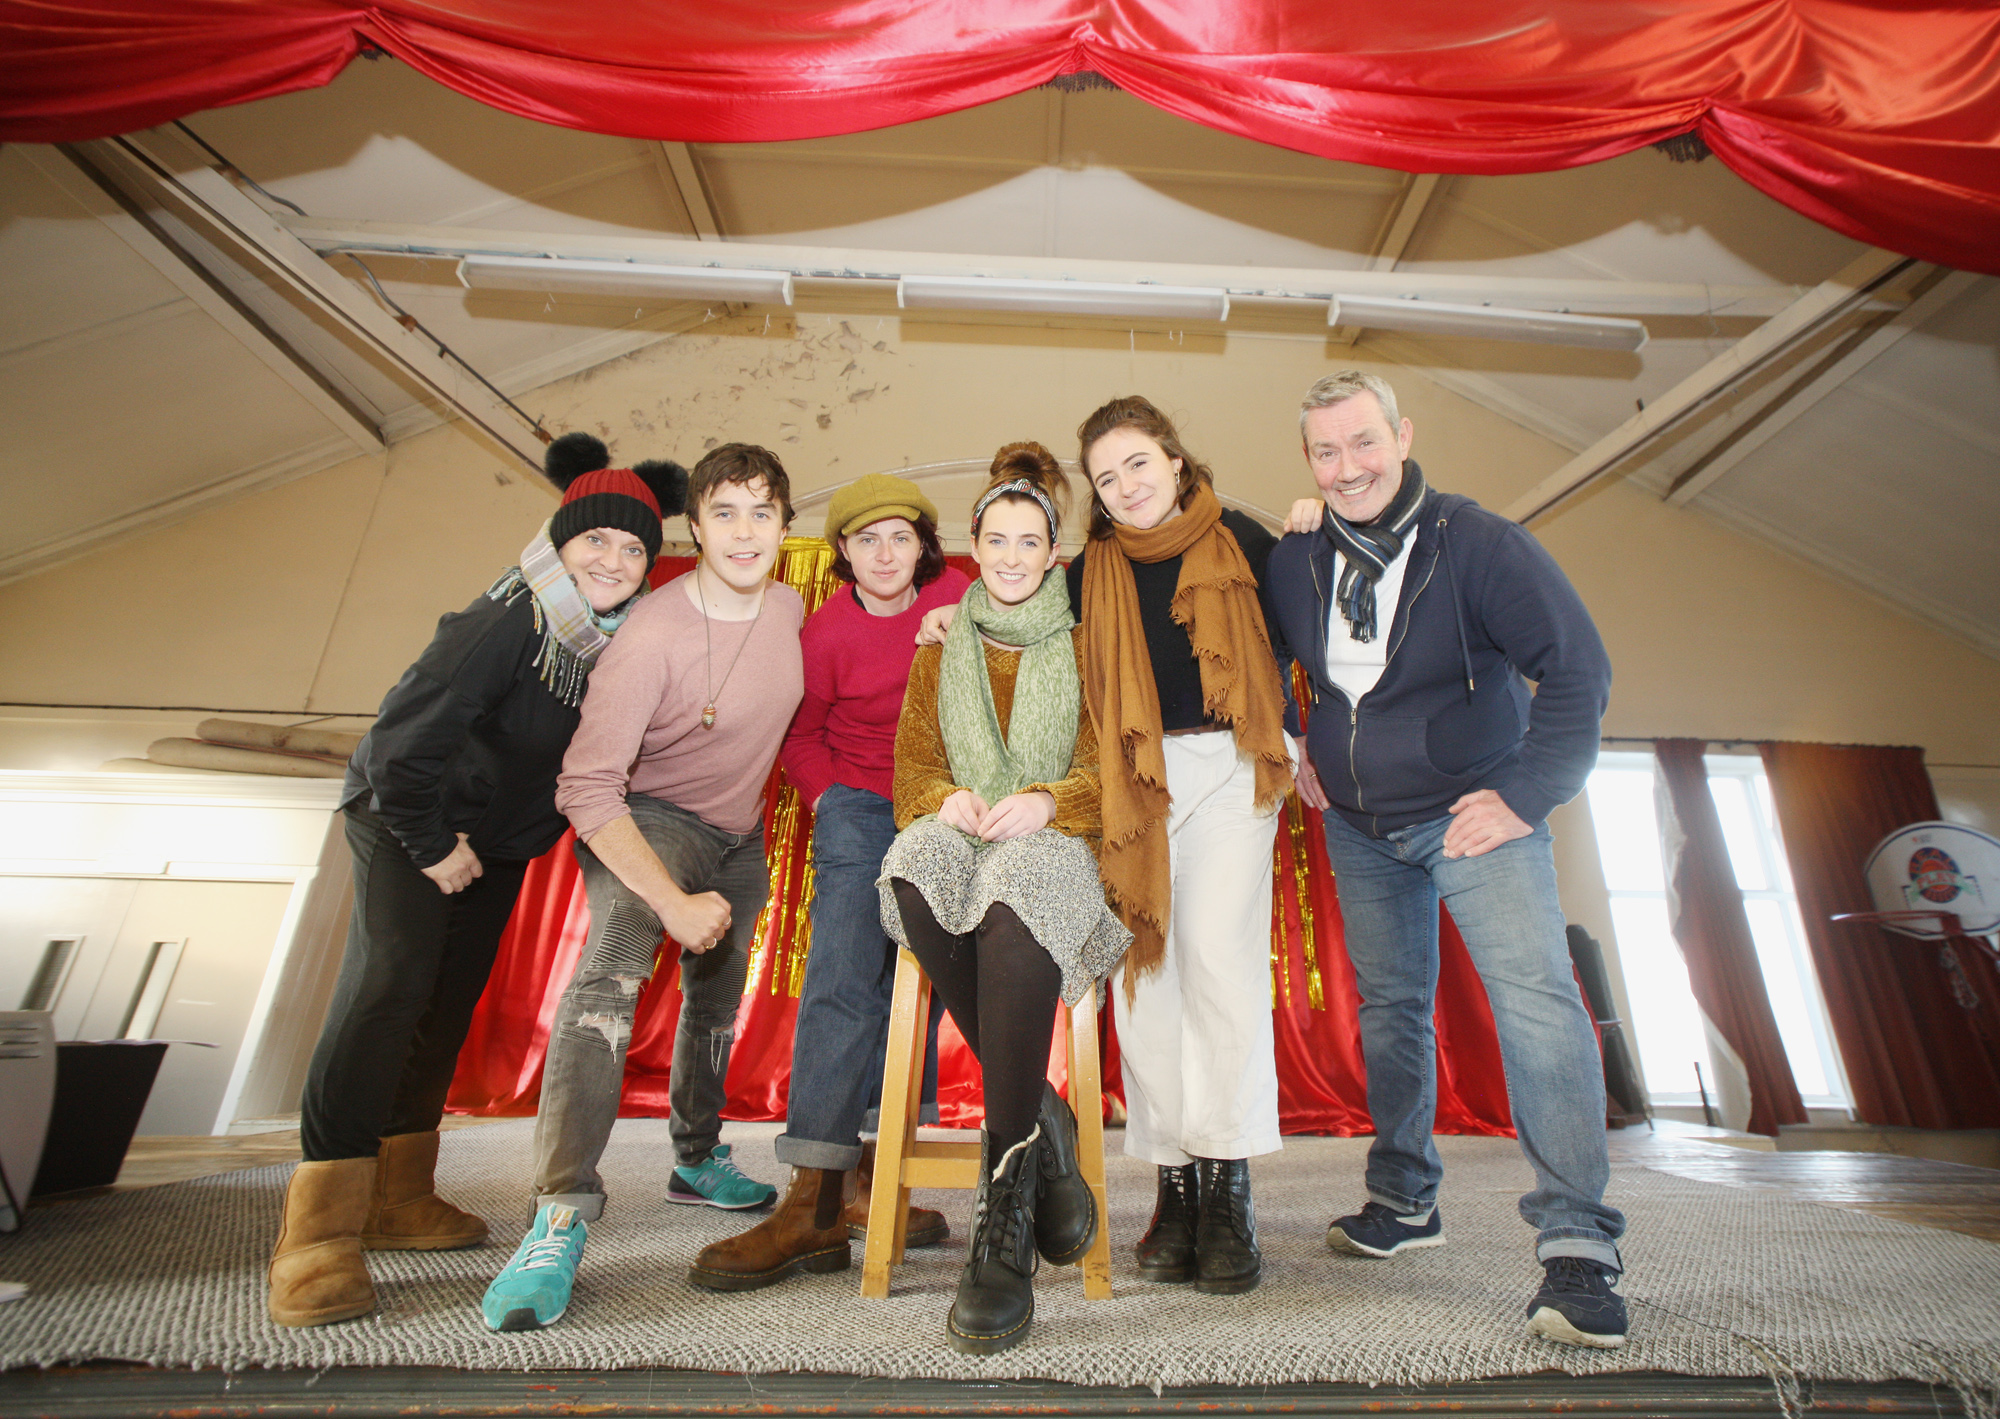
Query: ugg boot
{"x": 406, "y": 1213}
{"x": 1065, "y": 1211}
{"x": 1166, "y": 1252}
{"x": 996, "y": 1289}
{"x": 926, "y": 1229}
{"x": 805, "y": 1232}
{"x": 1226, "y": 1257}
{"x": 317, "y": 1273}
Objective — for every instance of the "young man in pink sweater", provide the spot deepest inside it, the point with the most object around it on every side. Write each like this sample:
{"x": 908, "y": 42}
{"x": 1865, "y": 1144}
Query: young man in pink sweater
{"x": 664, "y": 783}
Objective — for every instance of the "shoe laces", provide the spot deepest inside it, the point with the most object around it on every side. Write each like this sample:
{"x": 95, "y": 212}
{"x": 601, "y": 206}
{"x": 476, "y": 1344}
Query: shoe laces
{"x": 1577, "y": 1274}
{"x": 722, "y": 1163}
{"x": 544, "y": 1254}
{"x": 1000, "y": 1224}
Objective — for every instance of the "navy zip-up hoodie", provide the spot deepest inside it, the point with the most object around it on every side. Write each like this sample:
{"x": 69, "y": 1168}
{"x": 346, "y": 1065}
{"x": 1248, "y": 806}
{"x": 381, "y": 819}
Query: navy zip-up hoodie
{"x": 1483, "y": 605}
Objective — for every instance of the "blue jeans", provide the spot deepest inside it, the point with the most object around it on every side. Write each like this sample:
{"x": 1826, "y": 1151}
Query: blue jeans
{"x": 584, "y": 1072}
{"x": 842, "y": 1030}
{"x": 1504, "y": 903}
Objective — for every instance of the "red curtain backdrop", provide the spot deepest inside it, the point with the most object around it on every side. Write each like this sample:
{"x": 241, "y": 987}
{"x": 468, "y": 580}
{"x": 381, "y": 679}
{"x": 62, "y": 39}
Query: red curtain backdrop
{"x": 1714, "y": 935}
{"x": 1915, "y": 1058}
{"x": 1879, "y": 120}
{"x": 1321, "y": 1084}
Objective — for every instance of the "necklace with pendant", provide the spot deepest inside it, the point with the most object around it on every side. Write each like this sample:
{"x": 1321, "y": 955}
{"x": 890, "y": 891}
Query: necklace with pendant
{"x": 708, "y": 660}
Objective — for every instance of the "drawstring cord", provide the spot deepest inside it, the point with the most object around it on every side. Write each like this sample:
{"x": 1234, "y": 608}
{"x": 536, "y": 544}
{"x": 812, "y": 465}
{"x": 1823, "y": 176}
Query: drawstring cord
{"x": 1457, "y": 607}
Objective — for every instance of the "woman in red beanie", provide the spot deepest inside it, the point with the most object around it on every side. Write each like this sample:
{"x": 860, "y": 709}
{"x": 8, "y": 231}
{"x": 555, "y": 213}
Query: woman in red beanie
{"x": 448, "y": 798}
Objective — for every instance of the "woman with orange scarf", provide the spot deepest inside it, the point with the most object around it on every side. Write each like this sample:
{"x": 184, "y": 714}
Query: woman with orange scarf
{"x": 1191, "y": 708}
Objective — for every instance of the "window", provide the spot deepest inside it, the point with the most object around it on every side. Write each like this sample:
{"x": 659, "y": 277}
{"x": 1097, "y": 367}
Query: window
{"x": 1666, "y": 1023}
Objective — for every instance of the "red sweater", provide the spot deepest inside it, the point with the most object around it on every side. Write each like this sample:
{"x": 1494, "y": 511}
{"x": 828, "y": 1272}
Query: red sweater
{"x": 857, "y": 666}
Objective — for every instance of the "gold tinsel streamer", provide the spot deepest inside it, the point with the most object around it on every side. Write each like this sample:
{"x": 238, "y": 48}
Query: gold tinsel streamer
{"x": 784, "y": 927}
{"x": 1291, "y": 862}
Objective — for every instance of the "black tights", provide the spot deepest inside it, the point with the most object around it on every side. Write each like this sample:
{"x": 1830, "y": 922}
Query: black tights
{"x": 1001, "y": 988}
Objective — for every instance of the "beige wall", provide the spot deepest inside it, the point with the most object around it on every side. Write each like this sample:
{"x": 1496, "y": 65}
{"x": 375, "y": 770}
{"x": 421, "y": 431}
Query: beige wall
{"x": 313, "y": 596}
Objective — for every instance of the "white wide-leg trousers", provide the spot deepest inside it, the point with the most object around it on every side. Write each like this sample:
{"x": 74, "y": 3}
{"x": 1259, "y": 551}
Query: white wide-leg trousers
{"x": 1200, "y": 1077}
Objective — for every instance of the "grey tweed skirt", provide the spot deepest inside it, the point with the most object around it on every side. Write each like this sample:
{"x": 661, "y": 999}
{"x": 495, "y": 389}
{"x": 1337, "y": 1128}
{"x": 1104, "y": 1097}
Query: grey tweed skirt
{"x": 1048, "y": 878}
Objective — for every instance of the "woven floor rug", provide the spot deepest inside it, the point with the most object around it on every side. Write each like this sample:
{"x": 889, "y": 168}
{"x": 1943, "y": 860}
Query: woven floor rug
{"x": 1722, "y": 1281}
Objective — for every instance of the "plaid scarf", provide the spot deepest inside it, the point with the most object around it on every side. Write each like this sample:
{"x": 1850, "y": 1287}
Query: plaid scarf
{"x": 1369, "y": 548}
{"x": 573, "y": 635}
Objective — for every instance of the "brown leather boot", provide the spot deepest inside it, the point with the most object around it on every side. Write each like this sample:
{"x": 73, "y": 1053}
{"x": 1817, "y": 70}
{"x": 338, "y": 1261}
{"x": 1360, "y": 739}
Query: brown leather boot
{"x": 317, "y": 1273}
{"x": 803, "y": 1233}
{"x": 406, "y": 1214}
{"x": 927, "y": 1228}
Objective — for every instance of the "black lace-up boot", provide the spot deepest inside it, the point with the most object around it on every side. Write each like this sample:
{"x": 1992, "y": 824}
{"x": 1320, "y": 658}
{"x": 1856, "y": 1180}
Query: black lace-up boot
{"x": 996, "y": 1290}
{"x": 1225, "y": 1240}
{"x": 1065, "y": 1212}
{"x": 1166, "y": 1252}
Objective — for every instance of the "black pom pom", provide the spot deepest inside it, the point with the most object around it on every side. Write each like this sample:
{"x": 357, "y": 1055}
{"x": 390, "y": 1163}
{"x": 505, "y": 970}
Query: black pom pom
{"x": 572, "y": 456}
{"x": 669, "y": 482}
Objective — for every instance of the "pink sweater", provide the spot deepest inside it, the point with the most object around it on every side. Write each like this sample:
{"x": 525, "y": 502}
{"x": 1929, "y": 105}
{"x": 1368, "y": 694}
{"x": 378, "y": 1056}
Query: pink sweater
{"x": 856, "y": 667}
{"x": 641, "y": 729}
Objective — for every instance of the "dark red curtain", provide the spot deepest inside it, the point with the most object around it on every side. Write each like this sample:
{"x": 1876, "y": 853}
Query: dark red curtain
{"x": 1915, "y": 1058}
{"x": 1879, "y": 120}
{"x": 1706, "y": 908}
{"x": 1321, "y": 1083}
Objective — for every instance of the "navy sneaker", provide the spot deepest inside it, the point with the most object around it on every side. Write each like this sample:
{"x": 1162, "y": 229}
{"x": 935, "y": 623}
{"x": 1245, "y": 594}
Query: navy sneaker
{"x": 1377, "y": 1231}
{"x": 1578, "y": 1304}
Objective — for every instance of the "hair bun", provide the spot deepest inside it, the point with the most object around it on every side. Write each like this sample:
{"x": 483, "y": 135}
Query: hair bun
{"x": 669, "y": 482}
{"x": 1027, "y": 460}
{"x": 572, "y": 456}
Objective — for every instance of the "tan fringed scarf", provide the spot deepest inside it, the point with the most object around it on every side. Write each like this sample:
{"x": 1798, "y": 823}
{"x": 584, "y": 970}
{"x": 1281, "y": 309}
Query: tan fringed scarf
{"x": 1216, "y": 600}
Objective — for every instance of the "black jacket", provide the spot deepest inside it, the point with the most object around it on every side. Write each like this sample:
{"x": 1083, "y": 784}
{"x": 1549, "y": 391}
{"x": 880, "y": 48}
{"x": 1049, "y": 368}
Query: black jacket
{"x": 1482, "y": 606}
{"x": 469, "y": 741}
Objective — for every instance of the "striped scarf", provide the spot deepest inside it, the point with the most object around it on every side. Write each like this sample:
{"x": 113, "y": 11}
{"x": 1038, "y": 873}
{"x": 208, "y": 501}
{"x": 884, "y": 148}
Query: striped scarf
{"x": 573, "y": 635}
{"x": 1369, "y": 548}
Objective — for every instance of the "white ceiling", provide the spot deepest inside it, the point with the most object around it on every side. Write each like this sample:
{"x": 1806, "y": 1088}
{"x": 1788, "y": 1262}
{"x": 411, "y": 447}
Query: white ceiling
{"x": 1885, "y": 474}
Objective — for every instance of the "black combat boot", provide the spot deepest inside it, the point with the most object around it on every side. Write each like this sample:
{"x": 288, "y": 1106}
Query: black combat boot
{"x": 996, "y": 1290}
{"x": 1065, "y": 1211}
{"x": 1225, "y": 1240}
{"x": 1166, "y": 1252}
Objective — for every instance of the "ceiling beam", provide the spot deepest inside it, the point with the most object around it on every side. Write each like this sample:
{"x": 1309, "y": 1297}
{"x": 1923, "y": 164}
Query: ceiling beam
{"x": 1401, "y": 226}
{"x": 93, "y": 190}
{"x": 213, "y": 207}
{"x": 1244, "y": 283}
{"x": 1827, "y": 302}
{"x": 693, "y": 192}
{"x": 1862, "y": 347}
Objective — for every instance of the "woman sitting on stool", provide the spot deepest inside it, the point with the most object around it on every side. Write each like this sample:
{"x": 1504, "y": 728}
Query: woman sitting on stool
{"x": 992, "y": 883}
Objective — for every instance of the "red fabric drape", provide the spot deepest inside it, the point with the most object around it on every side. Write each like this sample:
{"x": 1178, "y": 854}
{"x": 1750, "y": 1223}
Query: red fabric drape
{"x": 1914, "y": 1057}
{"x": 1714, "y": 935}
{"x": 1879, "y": 120}
{"x": 1321, "y": 1083}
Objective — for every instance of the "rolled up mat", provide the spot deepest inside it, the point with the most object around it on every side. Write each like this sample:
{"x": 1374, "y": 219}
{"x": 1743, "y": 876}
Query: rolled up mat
{"x": 199, "y": 754}
{"x": 333, "y": 744}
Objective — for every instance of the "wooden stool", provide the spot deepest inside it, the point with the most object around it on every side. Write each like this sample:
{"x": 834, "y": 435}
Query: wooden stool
{"x": 901, "y": 1162}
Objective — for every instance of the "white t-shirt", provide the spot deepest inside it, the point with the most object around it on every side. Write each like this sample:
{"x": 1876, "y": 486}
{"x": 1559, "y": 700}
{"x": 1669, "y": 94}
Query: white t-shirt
{"x": 1355, "y": 665}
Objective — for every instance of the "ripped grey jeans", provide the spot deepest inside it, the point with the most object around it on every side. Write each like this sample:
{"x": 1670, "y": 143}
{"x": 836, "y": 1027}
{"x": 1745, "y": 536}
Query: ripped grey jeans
{"x": 585, "y": 1068}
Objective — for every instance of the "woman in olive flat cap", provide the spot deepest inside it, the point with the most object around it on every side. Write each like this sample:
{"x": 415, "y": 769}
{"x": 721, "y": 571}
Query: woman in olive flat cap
{"x": 841, "y": 756}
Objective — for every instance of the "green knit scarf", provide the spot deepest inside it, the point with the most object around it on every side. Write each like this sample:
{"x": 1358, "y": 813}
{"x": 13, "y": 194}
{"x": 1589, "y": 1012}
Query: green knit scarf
{"x": 1041, "y": 732}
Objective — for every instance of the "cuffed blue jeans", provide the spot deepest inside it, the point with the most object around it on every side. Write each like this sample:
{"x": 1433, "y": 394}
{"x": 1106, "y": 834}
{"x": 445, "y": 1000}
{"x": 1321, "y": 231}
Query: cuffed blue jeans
{"x": 842, "y": 1030}
{"x": 585, "y": 1068}
{"x": 1505, "y": 906}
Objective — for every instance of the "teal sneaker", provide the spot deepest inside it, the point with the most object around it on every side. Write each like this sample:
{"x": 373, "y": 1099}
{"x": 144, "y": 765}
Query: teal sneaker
{"x": 717, "y": 1182}
{"x": 532, "y": 1290}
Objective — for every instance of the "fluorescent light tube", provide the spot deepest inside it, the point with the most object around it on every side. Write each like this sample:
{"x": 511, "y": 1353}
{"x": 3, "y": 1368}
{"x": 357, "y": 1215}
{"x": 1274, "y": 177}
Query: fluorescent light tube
{"x": 1486, "y": 322}
{"x": 1062, "y": 297}
{"x": 547, "y": 274}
